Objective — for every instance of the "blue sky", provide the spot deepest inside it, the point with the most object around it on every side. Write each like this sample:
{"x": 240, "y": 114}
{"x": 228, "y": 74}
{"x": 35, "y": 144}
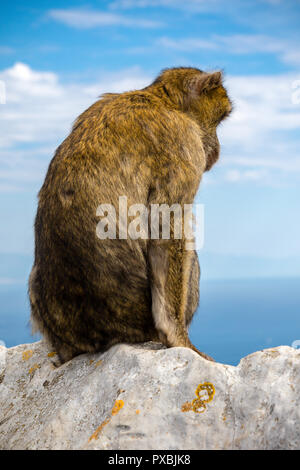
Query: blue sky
{"x": 57, "y": 57}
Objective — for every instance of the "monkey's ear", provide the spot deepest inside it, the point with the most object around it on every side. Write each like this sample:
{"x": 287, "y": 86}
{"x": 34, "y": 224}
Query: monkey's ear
{"x": 205, "y": 82}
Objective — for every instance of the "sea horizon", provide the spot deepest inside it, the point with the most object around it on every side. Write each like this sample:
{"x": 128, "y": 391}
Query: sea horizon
{"x": 235, "y": 317}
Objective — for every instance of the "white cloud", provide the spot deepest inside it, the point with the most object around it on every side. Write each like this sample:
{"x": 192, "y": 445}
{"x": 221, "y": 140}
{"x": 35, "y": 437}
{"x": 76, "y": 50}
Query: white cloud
{"x": 291, "y": 56}
{"x": 194, "y": 4}
{"x": 259, "y": 141}
{"x": 189, "y": 5}
{"x": 291, "y": 164}
{"x": 39, "y": 113}
{"x": 186, "y": 44}
{"x": 262, "y": 105}
{"x": 86, "y": 19}
{"x": 235, "y": 175}
{"x": 287, "y": 50}
{"x": 41, "y": 109}
{"x": 249, "y": 43}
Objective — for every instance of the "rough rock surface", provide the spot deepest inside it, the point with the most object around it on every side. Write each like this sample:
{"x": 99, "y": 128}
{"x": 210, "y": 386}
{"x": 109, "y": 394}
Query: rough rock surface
{"x": 140, "y": 397}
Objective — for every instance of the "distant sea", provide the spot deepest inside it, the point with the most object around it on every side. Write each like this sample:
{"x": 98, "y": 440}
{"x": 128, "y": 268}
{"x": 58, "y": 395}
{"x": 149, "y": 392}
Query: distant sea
{"x": 235, "y": 317}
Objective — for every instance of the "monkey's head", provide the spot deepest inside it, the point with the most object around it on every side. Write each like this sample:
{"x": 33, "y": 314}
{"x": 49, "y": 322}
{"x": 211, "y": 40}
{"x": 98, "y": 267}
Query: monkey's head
{"x": 203, "y": 97}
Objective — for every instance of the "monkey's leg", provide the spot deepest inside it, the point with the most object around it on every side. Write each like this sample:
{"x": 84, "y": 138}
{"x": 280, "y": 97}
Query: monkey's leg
{"x": 64, "y": 352}
{"x": 170, "y": 273}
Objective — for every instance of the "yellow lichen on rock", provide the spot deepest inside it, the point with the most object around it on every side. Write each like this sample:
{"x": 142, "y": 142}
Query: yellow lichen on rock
{"x": 27, "y": 355}
{"x": 117, "y": 406}
{"x": 33, "y": 368}
{"x": 95, "y": 435}
{"x": 208, "y": 388}
{"x": 187, "y": 406}
{"x": 115, "y": 409}
{"x": 198, "y": 405}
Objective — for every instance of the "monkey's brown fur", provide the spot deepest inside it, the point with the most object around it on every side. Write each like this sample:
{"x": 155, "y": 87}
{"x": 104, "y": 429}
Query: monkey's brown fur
{"x": 151, "y": 145}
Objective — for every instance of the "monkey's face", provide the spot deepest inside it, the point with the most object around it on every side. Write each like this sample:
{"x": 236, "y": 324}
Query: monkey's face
{"x": 217, "y": 106}
{"x": 202, "y": 96}
{"x": 209, "y": 109}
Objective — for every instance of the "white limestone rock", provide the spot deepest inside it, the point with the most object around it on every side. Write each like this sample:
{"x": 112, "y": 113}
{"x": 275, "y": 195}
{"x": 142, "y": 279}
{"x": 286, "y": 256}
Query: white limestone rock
{"x": 139, "y": 397}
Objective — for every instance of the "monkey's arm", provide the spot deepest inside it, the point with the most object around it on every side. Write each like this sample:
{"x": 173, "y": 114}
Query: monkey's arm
{"x": 171, "y": 267}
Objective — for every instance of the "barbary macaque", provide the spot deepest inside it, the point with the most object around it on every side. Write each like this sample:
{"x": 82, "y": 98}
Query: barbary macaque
{"x": 152, "y": 146}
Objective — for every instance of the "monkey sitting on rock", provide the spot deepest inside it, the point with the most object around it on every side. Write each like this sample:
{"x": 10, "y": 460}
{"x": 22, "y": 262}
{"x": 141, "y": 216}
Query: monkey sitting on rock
{"x": 152, "y": 146}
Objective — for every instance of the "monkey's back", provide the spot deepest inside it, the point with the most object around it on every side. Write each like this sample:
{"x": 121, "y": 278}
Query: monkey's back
{"x": 86, "y": 292}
